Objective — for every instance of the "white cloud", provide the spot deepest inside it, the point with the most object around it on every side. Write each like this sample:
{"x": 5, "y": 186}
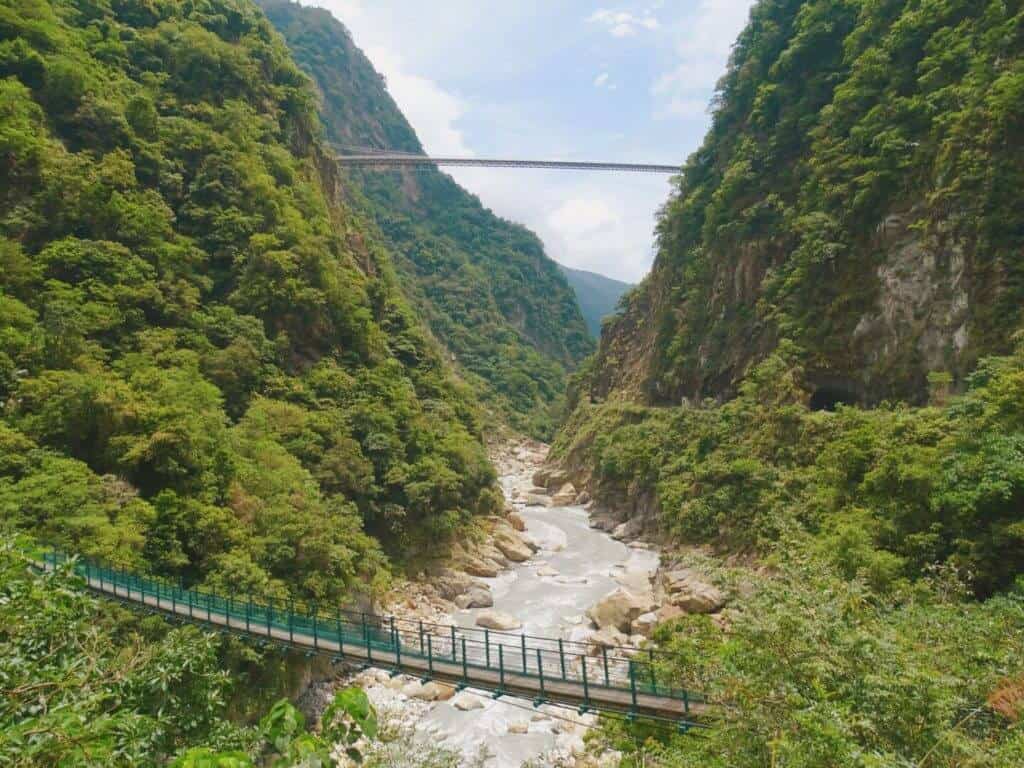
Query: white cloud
{"x": 582, "y": 217}
{"x": 434, "y": 111}
{"x": 624, "y": 23}
{"x": 601, "y": 80}
{"x": 703, "y": 41}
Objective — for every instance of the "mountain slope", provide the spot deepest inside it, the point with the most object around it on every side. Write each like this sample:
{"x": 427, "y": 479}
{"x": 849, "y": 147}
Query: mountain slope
{"x": 489, "y": 293}
{"x": 598, "y": 296}
{"x": 206, "y": 366}
{"x": 855, "y": 194}
{"x": 815, "y": 401}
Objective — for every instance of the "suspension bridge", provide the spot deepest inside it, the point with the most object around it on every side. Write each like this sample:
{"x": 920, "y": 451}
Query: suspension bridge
{"x": 620, "y": 681}
{"x": 364, "y": 157}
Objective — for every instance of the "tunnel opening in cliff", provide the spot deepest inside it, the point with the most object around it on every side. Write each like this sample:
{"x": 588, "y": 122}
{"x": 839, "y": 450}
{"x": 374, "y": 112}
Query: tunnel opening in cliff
{"x": 829, "y": 398}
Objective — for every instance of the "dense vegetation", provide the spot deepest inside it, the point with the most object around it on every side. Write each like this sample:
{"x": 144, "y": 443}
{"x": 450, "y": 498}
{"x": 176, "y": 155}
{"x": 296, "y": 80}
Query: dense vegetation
{"x": 851, "y": 232}
{"x": 866, "y": 643}
{"x": 598, "y": 295}
{"x": 857, "y": 193}
{"x": 205, "y": 366}
{"x": 484, "y": 285}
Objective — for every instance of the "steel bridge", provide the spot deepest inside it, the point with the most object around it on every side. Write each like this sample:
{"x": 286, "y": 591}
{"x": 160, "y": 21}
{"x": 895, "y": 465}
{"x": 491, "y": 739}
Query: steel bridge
{"x": 619, "y": 681}
{"x": 363, "y": 157}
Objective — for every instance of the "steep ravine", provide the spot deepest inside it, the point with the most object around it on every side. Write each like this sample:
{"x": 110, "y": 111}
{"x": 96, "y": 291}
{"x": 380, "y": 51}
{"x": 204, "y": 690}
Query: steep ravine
{"x": 575, "y": 565}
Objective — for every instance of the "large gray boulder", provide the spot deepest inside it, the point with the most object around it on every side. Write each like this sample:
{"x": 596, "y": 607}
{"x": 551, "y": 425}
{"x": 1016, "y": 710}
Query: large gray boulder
{"x": 565, "y": 496}
{"x": 478, "y": 596}
{"x": 687, "y": 590}
{"x": 498, "y": 620}
{"x": 619, "y": 608}
{"x": 512, "y": 545}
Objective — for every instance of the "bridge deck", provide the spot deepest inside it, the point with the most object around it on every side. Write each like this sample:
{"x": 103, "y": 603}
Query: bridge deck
{"x": 540, "y": 669}
{"x": 398, "y": 159}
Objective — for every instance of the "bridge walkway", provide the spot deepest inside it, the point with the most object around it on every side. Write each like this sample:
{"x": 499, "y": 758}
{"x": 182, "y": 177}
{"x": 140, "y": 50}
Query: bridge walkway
{"x": 619, "y": 680}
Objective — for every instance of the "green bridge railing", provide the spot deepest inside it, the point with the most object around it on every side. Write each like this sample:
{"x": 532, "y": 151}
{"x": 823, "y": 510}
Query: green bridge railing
{"x": 544, "y": 660}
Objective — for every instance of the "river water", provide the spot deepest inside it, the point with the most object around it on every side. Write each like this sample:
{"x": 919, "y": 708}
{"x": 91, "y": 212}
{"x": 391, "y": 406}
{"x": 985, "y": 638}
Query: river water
{"x": 589, "y": 564}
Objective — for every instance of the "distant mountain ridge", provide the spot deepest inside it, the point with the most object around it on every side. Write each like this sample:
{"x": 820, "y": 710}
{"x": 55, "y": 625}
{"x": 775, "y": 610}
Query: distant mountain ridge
{"x": 489, "y": 293}
{"x": 598, "y": 296}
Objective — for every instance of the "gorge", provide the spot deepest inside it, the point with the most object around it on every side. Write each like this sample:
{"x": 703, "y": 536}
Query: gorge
{"x": 792, "y": 457}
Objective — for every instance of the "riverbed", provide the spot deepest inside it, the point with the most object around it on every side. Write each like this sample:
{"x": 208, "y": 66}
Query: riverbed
{"x": 574, "y": 567}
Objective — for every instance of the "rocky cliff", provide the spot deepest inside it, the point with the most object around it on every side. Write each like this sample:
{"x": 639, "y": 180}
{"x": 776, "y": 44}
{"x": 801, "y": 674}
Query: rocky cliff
{"x": 854, "y": 195}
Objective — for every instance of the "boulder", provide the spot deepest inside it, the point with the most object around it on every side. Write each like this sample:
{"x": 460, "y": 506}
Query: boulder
{"x": 517, "y": 522}
{"x": 478, "y": 596}
{"x": 620, "y": 531}
{"x": 467, "y": 701}
{"x": 550, "y": 478}
{"x": 644, "y": 624}
{"x": 564, "y": 496}
{"x": 518, "y": 726}
{"x": 537, "y": 500}
{"x": 497, "y": 620}
{"x": 582, "y": 499}
{"x": 669, "y": 612}
{"x": 478, "y": 566}
{"x": 687, "y": 590}
{"x": 547, "y": 570}
{"x": 512, "y": 546}
{"x": 412, "y": 689}
{"x": 450, "y": 584}
{"x": 619, "y": 608}
{"x": 434, "y": 692}
{"x": 609, "y": 637}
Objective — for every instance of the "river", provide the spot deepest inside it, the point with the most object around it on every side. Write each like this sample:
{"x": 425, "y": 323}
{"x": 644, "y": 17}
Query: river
{"x": 578, "y": 565}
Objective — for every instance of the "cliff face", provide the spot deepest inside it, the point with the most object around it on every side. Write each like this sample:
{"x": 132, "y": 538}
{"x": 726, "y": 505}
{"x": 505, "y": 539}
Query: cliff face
{"x": 490, "y": 294}
{"x": 855, "y": 194}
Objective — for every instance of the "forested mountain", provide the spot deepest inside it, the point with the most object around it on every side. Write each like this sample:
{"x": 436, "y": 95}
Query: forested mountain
{"x": 857, "y": 193}
{"x": 207, "y": 369}
{"x": 206, "y": 366}
{"x": 597, "y": 295}
{"x": 816, "y": 398}
{"x": 499, "y": 305}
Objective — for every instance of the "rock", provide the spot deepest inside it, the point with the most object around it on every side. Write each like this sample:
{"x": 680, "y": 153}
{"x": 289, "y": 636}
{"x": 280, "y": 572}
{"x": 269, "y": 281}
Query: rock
{"x": 619, "y": 532}
{"x": 609, "y": 637}
{"x": 434, "y": 692}
{"x": 565, "y": 496}
{"x": 669, "y": 612}
{"x": 397, "y": 683}
{"x": 619, "y": 607}
{"x": 536, "y": 500}
{"x": 450, "y": 584}
{"x": 479, "y": 596}
{"x": 413, "y": 689}
{"x": 466, "y": 702}
{"x": 478, "y": 566}
{"x": 547, "y": 570}
{"x": 497, "y": 620}
{"x": 512, "y": 546}
{"x": 550, "y": 478}
{"x": 582, "y": 499}
{"x": 644, "y": 624}
{"x": 688, "y": 591}
{"x": 517, "y": 522}
{"x": 518, "y": 726}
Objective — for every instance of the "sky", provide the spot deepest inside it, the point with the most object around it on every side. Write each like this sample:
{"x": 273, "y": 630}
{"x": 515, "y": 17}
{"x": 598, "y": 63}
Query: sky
{"x": 556, "y": 80}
